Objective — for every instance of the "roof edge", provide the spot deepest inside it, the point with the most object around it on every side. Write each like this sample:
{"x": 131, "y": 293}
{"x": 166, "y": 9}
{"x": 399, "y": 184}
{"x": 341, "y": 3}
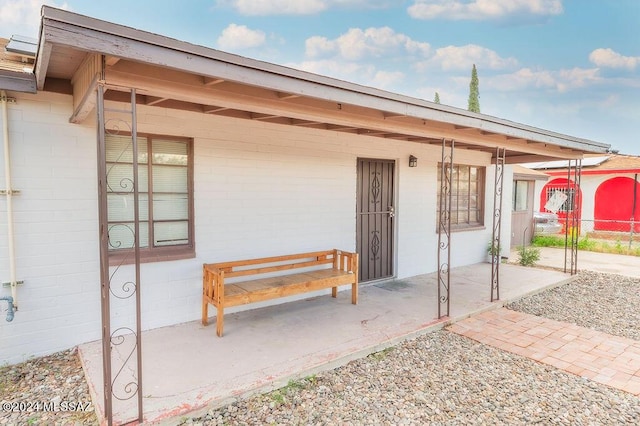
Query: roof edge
{"x": 415, "y": 107}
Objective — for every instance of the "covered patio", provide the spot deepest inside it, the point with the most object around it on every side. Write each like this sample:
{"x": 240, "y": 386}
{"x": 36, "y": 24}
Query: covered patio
{"x": 240, "y": 121}
{"x": 187, "y": 369}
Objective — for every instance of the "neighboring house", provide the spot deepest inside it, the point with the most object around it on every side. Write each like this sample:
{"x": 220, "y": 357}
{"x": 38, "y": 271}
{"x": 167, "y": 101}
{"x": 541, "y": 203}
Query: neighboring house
{"x": 237, "y": 158}
{"x": 526, "y": 183}
{"x": 608, "y": 198}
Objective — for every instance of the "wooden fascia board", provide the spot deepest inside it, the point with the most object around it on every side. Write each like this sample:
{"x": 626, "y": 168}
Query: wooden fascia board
{"x": 523, "y": 176}
{"x": 17, "y": 82}
{"x": 529, "y": 158}
{"x": 42, "y": 62}
{"x": 597, "y": 172}
{"x": 198, "y": 60}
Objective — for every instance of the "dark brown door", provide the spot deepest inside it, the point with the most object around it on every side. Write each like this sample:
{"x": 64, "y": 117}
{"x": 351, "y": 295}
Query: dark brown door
{"x": 375, "y": 212}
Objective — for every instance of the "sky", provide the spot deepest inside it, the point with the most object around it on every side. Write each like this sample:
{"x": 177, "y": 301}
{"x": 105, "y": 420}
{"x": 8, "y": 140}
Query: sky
{"x": 569, "y": 66}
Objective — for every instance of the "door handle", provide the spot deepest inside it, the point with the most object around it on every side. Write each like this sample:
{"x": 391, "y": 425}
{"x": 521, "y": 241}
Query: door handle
{"x": 392, "y": 211}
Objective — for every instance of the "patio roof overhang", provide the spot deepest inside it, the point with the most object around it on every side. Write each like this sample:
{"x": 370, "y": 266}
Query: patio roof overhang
{"x": 73, "y": 49}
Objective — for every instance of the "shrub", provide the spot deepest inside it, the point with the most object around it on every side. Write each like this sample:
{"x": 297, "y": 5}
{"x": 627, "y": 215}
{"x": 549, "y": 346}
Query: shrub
{"x": 528, "y": 256}
{"x": 587, "y": 244}
{"x": 548, "y": 241}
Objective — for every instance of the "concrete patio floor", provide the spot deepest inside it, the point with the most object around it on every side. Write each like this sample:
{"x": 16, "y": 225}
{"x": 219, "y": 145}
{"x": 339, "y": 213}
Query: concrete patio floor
{"x": 187, "y": 369}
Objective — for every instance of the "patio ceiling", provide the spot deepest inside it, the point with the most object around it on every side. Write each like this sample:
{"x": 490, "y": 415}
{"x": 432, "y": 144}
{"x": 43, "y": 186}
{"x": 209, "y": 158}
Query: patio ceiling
{"x": 172, "y": 74}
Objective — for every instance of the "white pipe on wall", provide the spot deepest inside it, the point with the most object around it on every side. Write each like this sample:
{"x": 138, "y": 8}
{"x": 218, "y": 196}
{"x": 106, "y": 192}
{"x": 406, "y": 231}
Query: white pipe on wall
{"x": 7, "y": 178}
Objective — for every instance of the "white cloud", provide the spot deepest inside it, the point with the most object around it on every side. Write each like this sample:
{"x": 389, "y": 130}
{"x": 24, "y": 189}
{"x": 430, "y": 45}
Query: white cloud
{"x": 356, "y": 44}
{"x": 237, "y": 37}
{"x": 609, "y": 58}
{"x": 22, "y": 17}
{"x": 576, "y": 77}
{"x": 297, "y": 7}
{"x": 463, "y": 57}
{"x": 319, "y": 46}
{"x": 386, "y": 79}
{"x": 482, "y": 9}
{"x": 526, "y": 78}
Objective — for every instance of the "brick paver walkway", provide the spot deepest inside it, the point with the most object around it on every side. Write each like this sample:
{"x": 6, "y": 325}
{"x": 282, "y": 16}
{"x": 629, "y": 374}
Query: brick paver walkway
{"x": 610, "y": 360}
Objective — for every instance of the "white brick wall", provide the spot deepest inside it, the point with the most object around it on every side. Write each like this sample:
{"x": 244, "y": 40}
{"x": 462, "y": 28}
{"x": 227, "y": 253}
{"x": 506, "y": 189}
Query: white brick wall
{"x": 260, "y": 189}
{"x": 53, "y": 165}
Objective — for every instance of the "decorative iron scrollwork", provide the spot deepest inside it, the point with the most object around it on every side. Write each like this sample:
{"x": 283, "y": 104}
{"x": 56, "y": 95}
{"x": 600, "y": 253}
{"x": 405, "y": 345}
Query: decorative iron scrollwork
{"x": 128, "y": 389}
{"x": 497, "y": 222}
{"x": 375, "y": 187}
{"x": 444, "y": 227}
{"x": 118, "y": 176}
{"x": 118, "y": 243}
{"x": 375, "y": 245}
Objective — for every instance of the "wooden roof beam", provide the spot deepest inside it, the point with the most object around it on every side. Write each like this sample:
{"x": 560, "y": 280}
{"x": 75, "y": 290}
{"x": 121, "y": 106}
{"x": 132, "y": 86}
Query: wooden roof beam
{"x": 208, "y": 81}
{"x": 213, "y": 109}
{"x": 153, "y": 100}
{"x": 111, "y": 60}
{"x": 85, "y": 83}
{"x": 305, "y": 123}
{"x": 186, "y": 90}
{"x": 368, "y": 132}
{"x": 341, "y": 128}
{"x": 285, "y": 96}
{"x": 257, "y": 116}
{"x": 515, "y": 139}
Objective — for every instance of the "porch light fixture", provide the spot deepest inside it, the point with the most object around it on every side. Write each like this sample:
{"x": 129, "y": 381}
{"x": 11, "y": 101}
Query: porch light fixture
{"x": 413, "y": 161}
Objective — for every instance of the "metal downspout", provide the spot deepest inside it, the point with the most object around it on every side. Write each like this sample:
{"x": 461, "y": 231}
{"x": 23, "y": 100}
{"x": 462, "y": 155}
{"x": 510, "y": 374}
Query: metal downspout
{"x": 9, "y": 193}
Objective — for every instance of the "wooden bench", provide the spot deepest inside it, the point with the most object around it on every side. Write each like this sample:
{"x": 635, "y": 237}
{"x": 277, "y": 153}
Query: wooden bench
{"x": 323, "y": 269}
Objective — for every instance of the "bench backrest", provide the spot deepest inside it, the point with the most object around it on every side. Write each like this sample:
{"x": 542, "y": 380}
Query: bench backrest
{"x": 266, "y": 265}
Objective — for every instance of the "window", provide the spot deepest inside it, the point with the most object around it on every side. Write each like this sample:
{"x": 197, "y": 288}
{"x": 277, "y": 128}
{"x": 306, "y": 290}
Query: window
{"x": 520, "y": 195}
{"x": 165, "y": 170}
{"x": 467, "y": 201}
{"x": 566, "y": 206}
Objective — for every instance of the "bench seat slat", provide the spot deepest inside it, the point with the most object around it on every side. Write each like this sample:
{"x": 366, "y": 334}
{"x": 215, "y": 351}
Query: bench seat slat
{"x": 283, "y": 286}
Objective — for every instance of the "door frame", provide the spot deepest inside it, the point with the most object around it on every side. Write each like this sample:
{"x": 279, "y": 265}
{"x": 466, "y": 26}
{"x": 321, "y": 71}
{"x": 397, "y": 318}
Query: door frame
{"x": 394, "y": 224}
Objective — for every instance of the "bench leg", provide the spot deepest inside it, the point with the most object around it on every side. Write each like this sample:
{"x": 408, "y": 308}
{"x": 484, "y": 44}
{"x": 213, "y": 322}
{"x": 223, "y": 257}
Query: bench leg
{"x": 354, "y": 293}
{"x": 205, "y": 312}
{"x": 220, "y": 321}
{"x": 334, "y": 291}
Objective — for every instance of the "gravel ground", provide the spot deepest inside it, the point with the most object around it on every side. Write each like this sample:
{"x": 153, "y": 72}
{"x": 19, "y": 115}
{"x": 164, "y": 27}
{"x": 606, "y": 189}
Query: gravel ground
{"x": 438, "y": 378}
{"x": 604, "y": 302}
{"x": 443, "y": 378}
{"x": 30, "y": 388}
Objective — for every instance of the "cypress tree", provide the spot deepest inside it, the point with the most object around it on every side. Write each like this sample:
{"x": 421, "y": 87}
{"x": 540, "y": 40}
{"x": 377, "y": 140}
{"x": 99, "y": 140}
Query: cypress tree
{"x": 474, "y": 92}
{"x": 436, "y": 99}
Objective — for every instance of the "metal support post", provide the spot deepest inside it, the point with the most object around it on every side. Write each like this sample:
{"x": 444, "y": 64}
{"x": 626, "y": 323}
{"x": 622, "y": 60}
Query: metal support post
{"x": 444, "y": 228}
{"x": 121, "y": 344}
{"x": 497, "y": 223}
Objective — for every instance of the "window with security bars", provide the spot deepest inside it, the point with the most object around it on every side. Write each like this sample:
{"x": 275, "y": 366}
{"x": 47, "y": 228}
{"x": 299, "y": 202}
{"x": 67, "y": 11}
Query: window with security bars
{"x": 467, "y": 205}
{"x": 165, "y": 191}
{"x": 567, "y": 206}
